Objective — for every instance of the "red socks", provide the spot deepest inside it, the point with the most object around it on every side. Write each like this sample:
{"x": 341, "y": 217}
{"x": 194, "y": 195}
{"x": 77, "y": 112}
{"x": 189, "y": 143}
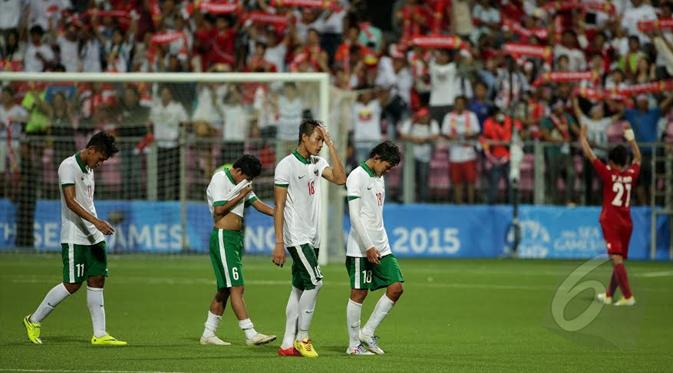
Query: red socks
{"x": 613, "y": 285}
{"x": 620, "y": 273}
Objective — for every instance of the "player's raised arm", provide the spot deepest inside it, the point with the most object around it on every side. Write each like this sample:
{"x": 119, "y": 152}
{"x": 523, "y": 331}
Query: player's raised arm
{"x": 224, "y": 209}
{"x": 630, "y": 137}
{"x": 69, "y": 196}
{"x": 336, "y": 174}
{"x": 280, "y": 196}
{"x": 263, "y": 208}
{"x": 586, "y": 148}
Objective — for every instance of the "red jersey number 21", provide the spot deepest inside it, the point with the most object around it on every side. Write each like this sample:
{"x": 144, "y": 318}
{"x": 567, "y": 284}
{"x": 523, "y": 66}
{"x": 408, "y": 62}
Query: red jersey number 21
{"x": 620, "y": 199}
{"x": 311, "y": 188}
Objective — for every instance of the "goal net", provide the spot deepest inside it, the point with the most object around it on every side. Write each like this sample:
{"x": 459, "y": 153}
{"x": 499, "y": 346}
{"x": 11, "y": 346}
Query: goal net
{"x": 174, "y": 131}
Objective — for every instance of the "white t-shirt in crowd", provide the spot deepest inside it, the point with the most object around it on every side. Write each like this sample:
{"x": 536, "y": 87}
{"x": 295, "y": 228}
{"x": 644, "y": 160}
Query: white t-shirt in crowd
{"x": 463, "y": 125}
{"x": 166, "y": 122}
{"x": 33, "y": 64}
{"x": 422, "y": 152}
{"x": 444, "y": 84}
{"x": 289, "y": 118}
{"x": 69, "y": 51}
{"x": 10, "y": 13}
{"x": 367, "y": 121}
{"x": 235, "y": 123}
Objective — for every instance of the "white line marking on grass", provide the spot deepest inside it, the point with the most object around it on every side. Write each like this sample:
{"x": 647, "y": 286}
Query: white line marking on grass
{"x": 75, "y": 371}
{"x": 655, "y": 274}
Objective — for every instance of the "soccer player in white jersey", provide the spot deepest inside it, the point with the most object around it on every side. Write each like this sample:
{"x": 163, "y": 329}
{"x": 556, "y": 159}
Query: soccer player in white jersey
{"x": 229, "y": 192}
{"x": 296, "y": 217}
{"x": 82, "y": 240}
{"x": 369, "y": 262}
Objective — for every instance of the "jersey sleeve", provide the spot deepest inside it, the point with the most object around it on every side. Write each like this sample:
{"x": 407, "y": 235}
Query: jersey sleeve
{"x": 220, "y": 191}
{"x": 321, "y": 165}
{"x": 251, "y": 198}
{"x": 354, "y": 186}
{"x": 282, "y": 177}
{"x": 601, "y": 170}
{"x": 66, "y": 175}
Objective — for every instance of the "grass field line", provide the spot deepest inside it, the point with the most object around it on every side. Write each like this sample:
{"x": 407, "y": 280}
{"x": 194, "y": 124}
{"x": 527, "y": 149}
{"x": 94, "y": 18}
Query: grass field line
{"x": 74, "y": 371}
{"x": 211, "y": 282}
{"x": 656, "y": 274}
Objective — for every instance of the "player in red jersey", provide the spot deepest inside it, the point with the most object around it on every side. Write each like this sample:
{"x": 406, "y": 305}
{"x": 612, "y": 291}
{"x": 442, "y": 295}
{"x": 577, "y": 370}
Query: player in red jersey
{"x": 619, "y": 179}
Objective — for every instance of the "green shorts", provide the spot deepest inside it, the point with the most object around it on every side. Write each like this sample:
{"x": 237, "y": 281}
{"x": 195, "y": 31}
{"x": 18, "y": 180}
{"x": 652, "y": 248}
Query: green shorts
{"x": 367, "y": 276}
{"x": 226, "y": 248}
{"x": 305, "y": 269}
{"x": 83, "y": 261}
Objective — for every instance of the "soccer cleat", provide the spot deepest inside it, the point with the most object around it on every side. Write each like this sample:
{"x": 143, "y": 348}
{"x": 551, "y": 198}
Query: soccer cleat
{"x": 107, "y": 340}
{"x": 359, "y": 350}
{"x": 305, "y": 348}
{"x": 371, "y": 342}
{"x": 626, "y": 302}
{"x": 290, "y": 351}
{"x": 32, "y": 330}
{"x": 260, "y": 339}
{"x": 603, "y": 298}
{"x": 213, "y": 340}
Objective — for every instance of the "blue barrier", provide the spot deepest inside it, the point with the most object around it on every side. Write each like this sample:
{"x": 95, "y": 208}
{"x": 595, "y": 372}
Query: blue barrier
{"x": 414, "y": 230}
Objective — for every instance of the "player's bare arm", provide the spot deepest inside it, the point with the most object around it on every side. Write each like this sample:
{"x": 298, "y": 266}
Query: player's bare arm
{"x": 263, "y": 208}
{"x": 631, "y": 139}
{"x": 586, "y": 148}
{"x": 336, "y": 174}
{"x": 223, "y": 210}
{"x": 280, "y": 196}
{"x": 69, "y": 196}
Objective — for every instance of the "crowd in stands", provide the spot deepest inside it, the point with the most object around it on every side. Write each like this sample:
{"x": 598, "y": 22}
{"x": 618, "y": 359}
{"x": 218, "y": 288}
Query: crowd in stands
{"x": 457, "y": 78}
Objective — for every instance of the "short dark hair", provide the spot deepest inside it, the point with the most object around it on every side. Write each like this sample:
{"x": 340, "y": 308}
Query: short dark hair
{"x": 386, "y": 151}
{"x": 249, "y": 165}
{"x": 618, "y": 155}
{"x": 103, "y": 142}
{"x": 307, "y": 127}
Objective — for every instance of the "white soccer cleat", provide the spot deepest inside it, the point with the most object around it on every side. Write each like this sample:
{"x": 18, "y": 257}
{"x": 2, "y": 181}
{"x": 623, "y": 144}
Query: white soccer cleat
{"x": 260, "y": 339}
{"x": 626, "y": 302}
{"x": 359, "y": 350}
{"x": 371, "y": 343}
{"x": 213, "y": 340}
{"x": 603, "y": 298}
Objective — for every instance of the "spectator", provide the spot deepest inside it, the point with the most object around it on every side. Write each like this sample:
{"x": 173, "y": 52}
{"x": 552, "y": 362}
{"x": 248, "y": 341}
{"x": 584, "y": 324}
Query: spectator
{"x": 423, "y": 132}
{"x": 640, "y": 11}
{"x": 167, "y": 116}
{"x": 496, "y": 137}
{"x": 90, "y": 50}
{"x": 68, "y": 48}
{"x": 289, "y": 108}
{"x": 461, "y": 126}
{"x": 444, "y": 80}
{"x": 366, "y": 123}
{"x": 629, "y": 61}
{"x": 644, "y": 122}
{"x": 12, "y": 51}
{"x": 560, "y": 129}
{"x": 568, "y": 47}
{"x": 12, "y": 119}
{"x": 597, "y": 133}
{"x": 46, "y": 13}
{"x": 134, "y": 125}
{"x": 38, "y": 55}
{"x": 236, "y": 125}
{"x": 370, "y": 35}
{"x": 63, "y": 121}
{"x": 480, "y": 104}
{"x": 11, "y": 12}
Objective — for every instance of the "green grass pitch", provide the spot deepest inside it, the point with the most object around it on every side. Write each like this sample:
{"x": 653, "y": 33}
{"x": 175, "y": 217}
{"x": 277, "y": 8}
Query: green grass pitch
{"x": 455, "y": 315}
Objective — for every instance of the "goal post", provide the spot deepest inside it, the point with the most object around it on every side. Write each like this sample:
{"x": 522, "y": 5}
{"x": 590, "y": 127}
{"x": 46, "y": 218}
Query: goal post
{"x": 192, "y": 147}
